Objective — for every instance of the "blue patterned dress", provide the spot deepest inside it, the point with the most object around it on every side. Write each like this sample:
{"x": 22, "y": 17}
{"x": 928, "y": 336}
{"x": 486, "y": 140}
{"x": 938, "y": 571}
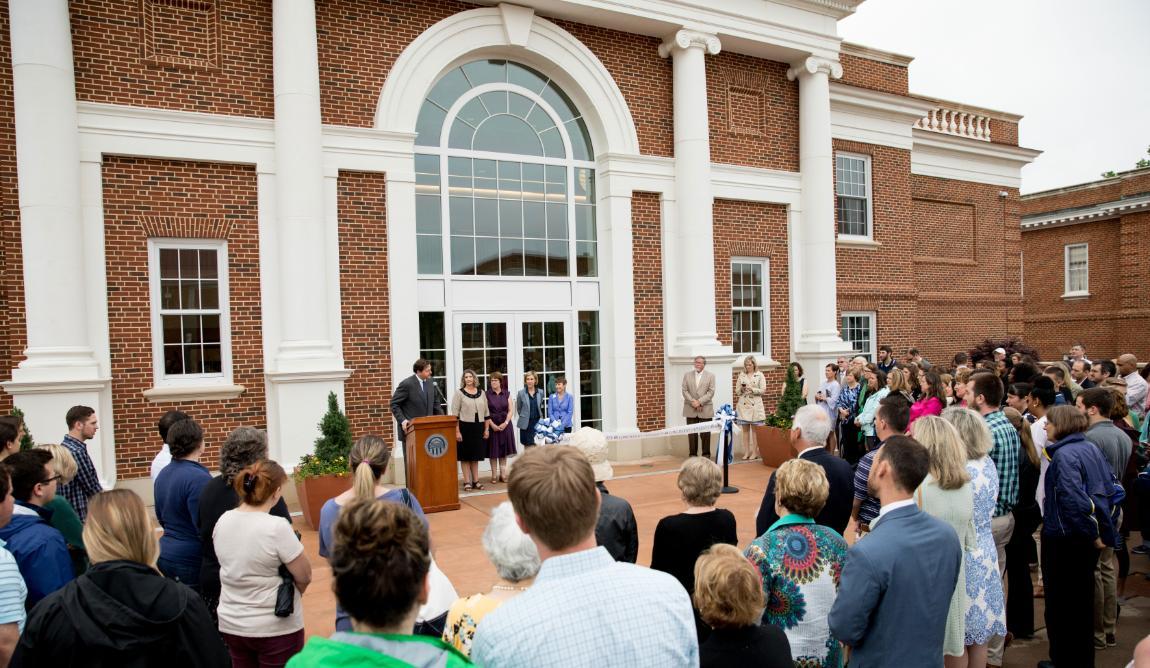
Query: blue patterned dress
{"x": 800, "y": 563}
{"x": 985, "y": 605}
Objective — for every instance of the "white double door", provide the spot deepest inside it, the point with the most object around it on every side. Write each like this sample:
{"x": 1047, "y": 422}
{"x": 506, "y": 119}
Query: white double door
{"x": 513, "y": 344}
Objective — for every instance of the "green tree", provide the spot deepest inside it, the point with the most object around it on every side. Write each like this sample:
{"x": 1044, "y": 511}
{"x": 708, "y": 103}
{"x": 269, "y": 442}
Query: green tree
{"x": 1144, "y": 162}
{"x": 332, "y": 446}
{"x": 26, "y": 443}
{"x": 789, "y": 403}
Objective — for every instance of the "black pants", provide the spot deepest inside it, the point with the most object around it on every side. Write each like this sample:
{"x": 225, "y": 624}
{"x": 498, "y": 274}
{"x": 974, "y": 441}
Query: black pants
{"x": 1068, "y": 577}
{"x": 1021, "y": 551}
{"x": 849, "y": 445}
{"x": 693, "y": 439}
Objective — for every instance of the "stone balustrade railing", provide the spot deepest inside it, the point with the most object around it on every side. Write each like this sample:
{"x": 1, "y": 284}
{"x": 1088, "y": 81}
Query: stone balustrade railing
{"x": 956, "y": 122}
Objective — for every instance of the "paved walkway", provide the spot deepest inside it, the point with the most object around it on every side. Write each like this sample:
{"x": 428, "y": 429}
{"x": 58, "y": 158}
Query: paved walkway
{"x": 651, "y": 490}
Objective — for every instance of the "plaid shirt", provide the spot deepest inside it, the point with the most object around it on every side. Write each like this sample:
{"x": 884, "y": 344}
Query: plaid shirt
{"x": 86, "y": 484}
{"x": 1005, "y": 455}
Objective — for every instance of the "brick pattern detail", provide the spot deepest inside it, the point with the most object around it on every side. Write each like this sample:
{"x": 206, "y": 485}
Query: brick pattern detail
{"x": 951, "y": 226}
{"x": 366, "y": 307}
{"x": 755, "y": 230}
{"x": 1003, "y": 132}
{"x": 185, "y": 228}
{"x": 182, "y": 33}
{"x": 176, "y": 191}
{"x": 177, "y": 72}
{"x": 872, "y": 74}
{"x": 754, "y": 112}
{"x": 647, "y": 251}
{"x": 1114, "y": 318}
{"x": 14, "y": 339}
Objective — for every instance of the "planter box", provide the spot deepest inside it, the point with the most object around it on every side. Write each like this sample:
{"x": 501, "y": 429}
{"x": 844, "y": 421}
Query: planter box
{"x": 314, "y": 492}
{"x": 774, "y": 445}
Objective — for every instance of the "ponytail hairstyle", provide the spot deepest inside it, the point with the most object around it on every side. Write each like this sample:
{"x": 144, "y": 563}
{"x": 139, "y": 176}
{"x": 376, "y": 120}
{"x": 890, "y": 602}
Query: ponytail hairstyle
{"x": 258, "y": 482}
{"x": 369, "y": 458}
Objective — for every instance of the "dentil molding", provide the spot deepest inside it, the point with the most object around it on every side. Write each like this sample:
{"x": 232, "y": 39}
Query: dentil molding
{"x": 813, "y": 65}
{"x": 686, "y": 39}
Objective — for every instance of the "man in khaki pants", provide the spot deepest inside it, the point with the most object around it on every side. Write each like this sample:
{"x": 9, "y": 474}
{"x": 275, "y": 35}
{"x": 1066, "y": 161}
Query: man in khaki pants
{"x": 698, "y": 390}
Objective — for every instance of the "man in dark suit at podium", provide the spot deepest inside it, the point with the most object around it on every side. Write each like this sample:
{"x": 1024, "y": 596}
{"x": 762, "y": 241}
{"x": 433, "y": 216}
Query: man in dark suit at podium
{"x": 415, "y": 397}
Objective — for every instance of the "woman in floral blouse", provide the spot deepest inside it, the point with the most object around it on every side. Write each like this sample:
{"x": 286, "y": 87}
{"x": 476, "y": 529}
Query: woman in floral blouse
{"x": 800, "y": 563}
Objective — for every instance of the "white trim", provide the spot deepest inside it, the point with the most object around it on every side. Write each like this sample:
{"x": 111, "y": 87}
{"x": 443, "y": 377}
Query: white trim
{"x": 188, "y": 381}
{"x": 871, "y": 117}
{"x": 1067, "y": 292}
{"x": 765, "y": 308}
{"x": 867, "y": 171}
{"x": 872, "y": 316}
{"x": 877, "y": 55}
{"x": 849, "y": 241}
{"x": 1095, "y": 213}
{"x": 205, "y": 393}
{"x": 946, "y": 157}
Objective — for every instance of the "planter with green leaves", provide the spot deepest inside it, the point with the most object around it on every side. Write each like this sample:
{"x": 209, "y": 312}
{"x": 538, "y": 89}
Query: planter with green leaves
{"x": 325, "y": 473}
{"x": 26, "y": 442}
{"x": 774, "y": 437}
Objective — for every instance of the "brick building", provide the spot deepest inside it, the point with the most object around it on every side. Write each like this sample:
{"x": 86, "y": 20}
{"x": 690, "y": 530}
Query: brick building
{"x": 237, "y": 206}
{"x": 1086, "y": 262}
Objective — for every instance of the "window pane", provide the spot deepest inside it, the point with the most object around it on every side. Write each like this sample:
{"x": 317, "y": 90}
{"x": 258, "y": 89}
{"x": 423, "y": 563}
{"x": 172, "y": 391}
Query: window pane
{"x": 189, "y": 263}
{"x": 555, "y": 359}
{"x": 462, "y": 255}
{"x": 473, "y": 113}
{"x": 553, "y": 333}
{"x": 487, "y": 256}
{"x": 190, "y": 329}
{"x": 210, "y": 328}
{"x": 487, "y": 217}
{"x": 213, "y": 358}
{"x": 552, "y": 143}
{"x": 169, "y": 295}
{"x": 210, "y": 294}
{"x": 173, "y": 360}
{"x": 534, "y": 220}
{"x": 171, "y": 328}
{"x": 189, "y": 294}
{"x": 428, "y": 214}
{"x": 472, "y": 335}
{"x": 535, "y": 257}
{"x": 480, "y": 72}
{"x": 585, "y": 260}
{"x": 557, "y": 258}
{"x": 532, "y": 334}
{"x": 510, "y": 218}
{"x": 431, "y": 334}
{"x": 496, "y": 101}
{"x": 580, "y": 139}
{"x": 585, "y": 223}
{"x": 429, "y": 124}
{"x": 852, "y": 216}
{"x": 448, "y": 89}
{"x": 588, "y": 328}
{"x": 524, "y": 76}
{"x": 169, "y": 263}
{"x": 507, "y": 134}
{"x": 511, "y": 257}
{"x": 208, "y": 264}
{"x": 429, "y": 251}
{"x": 193, "y": 359}
{"x": 462, "y": 220}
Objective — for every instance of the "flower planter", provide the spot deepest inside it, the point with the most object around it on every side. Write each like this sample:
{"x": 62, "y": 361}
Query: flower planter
{"x": 314, "y": 492}
{"x": 774, "y": 445}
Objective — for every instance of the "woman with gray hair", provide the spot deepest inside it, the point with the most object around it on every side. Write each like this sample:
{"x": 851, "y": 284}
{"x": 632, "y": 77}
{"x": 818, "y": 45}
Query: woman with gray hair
{"x": 516, "y": 561}
{"x": 244, "y": 446}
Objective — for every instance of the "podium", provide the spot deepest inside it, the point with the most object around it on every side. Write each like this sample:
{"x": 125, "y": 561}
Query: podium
{"x": 431, "y": 464}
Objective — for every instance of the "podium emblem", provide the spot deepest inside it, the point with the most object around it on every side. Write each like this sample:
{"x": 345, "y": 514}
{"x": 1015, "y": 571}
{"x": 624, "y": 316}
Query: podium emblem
{"x": 435, "y": 446}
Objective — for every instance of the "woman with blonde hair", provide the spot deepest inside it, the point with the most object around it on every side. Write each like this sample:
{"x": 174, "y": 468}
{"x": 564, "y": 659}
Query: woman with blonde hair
{"x": 528, "y": 409}
{"x": 64, "y": 518}
{"x": 985, "y": 611}
{"x": 369, "y": 458}
{"x": 749, "y": 389}
{"x": 259, "y": 552}
{"x": 122, "y": 611}
{"x": 469, "y": 404}
{"x": 946, "y": 494}
{"x": 729, "y": 597}
{"x": 898, "y": 382}
{"x": 680, "y": 538}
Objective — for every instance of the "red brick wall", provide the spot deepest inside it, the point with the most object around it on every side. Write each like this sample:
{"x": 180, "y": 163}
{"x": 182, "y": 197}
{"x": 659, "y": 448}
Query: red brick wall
{"x": 109, "y": 38}
{"x": 141, "y": 199}
{"x": 872, "y": 74}
{"x": 12, "y": 342}
{"x": 1004, "y": 132}
{"x": 647, "y": 251}
{"x": 754, "y": 112}
{"x": 1098, "y": 192}
{"x": 755, "y": 230}
{"x": 366, "y": 308}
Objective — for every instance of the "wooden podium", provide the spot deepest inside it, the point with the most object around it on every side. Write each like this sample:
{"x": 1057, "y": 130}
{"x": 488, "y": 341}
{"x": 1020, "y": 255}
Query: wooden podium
{"x": 431, "y": 463}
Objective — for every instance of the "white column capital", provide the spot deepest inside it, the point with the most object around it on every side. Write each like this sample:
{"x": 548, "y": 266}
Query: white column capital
{"x": 813, "y": 65}
{"x": 690, "y": 39}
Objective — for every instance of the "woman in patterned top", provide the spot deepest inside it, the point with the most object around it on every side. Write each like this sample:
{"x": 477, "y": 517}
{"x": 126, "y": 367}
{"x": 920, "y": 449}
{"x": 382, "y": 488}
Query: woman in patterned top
{"x": 515, "y": 559}
{"x": 800, "y": 563}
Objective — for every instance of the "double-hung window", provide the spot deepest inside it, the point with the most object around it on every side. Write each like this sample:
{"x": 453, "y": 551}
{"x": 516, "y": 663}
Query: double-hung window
{"x": 750, "y": 310}
{"x": 189, "y": 307}
{"x": 1077, "y": 278}
{"x": 853, "y": 195}
{"x": 858, "y": 331}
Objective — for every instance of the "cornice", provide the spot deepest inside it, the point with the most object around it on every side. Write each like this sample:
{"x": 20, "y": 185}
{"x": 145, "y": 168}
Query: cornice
{"x": 1090, "y": 214}
{"x": 878, "y": 55}
{"x": 900, "y": 106}
{"x": 1019, "y": 154}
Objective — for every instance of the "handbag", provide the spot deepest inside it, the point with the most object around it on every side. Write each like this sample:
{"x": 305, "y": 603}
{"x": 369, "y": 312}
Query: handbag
{"x": 285, "y": 594}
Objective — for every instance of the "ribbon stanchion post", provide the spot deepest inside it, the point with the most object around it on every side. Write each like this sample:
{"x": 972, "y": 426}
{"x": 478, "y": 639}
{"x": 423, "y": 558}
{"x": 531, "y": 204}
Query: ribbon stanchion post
{"x": 725, "y": 416}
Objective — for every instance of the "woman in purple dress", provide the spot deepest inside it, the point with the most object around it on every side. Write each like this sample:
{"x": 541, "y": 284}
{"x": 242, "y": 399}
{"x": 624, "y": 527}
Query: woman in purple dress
{"x": 501, "y": 442}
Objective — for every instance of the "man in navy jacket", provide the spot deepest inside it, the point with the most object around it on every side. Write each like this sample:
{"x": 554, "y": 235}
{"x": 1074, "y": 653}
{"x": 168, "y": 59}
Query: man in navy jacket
{"x": 898, "y": 580}
{"x": 40, "y": 550}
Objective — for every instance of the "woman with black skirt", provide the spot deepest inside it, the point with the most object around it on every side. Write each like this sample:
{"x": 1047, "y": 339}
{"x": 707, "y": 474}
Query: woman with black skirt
{"x": 470, "y": 405}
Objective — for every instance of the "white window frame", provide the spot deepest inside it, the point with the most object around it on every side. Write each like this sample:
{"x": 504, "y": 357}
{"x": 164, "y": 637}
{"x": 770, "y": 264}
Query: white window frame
{"x": 873, "y": 317}
{"x": 869, "y": 236}
{"x": 1085, "y": 291}
{"x": 766, "y": 307}
{"x": 161, "y": 379}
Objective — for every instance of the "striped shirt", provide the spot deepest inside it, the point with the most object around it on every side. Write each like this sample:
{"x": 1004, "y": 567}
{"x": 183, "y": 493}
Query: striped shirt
{"x": 1005, "y": 455}
{"x": 86, "y": 484}
{"x": 12, "y": 590}
{"x": 870, "y": 505}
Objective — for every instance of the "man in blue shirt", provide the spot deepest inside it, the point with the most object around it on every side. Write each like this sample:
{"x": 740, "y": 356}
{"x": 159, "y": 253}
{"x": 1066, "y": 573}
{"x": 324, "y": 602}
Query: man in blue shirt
{"x": 82, "y": 427}
{"x": 40, "y": 550}
{"x": 584, "y": 608}
{"x": 12, "y": 589}
{"x": 891, "y": 419}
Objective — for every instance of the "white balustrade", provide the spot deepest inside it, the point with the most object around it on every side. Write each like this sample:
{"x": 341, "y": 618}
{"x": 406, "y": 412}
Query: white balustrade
{"x": 957, "y": 123}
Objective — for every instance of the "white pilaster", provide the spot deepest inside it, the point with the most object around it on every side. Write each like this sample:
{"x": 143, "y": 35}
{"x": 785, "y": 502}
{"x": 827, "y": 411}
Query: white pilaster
{"x": 813, "y": 309}
{"x": 690, "y": 298}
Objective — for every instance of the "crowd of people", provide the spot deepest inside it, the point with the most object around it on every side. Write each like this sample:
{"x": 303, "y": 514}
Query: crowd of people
{"x": 913, "y": 504}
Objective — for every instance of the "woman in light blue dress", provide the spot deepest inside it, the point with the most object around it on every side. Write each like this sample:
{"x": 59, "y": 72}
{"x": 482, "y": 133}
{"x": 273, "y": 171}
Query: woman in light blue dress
{"x": 986, "y": 604}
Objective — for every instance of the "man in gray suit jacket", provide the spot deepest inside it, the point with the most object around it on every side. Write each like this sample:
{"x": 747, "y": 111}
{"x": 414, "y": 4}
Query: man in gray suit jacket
{"x": 415, "y": 397}
{"x": 898, "y": 580}
{"x": 698, "y": 390}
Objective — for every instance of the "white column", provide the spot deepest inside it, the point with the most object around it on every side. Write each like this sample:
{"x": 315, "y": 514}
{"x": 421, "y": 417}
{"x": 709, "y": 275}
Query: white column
{"x": 813, "y": 308}
{"x": 307, "y": 339}
{"x": 691, "y": 301}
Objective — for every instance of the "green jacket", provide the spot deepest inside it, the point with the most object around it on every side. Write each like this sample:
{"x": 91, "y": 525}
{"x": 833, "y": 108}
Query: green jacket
{"x": 66, "y": 521}
{"x": 374, "y": 650}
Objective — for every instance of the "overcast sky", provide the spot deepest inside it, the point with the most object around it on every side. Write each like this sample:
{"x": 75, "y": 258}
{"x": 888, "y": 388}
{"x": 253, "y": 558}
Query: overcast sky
{"x": 1078, "y": 70}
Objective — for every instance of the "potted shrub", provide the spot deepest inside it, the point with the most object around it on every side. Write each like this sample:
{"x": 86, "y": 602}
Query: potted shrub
{"x": 325, "y": 473}
{"x": 775, "y": 436}
{"x": 26, "y": 442}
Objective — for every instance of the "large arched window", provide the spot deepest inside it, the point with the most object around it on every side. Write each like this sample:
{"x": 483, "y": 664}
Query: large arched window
{"x": 505, "y": 180}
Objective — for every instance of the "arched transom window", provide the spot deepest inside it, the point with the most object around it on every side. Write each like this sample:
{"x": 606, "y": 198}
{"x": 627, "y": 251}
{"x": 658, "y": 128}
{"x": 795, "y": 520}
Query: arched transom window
{"x": 505, "y": 182}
